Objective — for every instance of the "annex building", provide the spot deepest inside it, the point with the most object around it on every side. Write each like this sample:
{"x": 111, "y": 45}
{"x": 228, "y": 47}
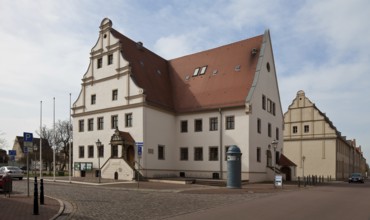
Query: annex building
{"x": 177, "y": 118}
{"x": 313, "y": 143}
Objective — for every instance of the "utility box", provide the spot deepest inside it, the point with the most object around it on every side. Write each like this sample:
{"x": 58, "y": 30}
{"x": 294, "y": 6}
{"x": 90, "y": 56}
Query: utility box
{"x": 234, "y": 167}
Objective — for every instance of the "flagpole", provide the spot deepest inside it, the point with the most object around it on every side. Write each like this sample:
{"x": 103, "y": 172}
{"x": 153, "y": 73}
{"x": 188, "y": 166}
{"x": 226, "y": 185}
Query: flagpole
{"x": 54, "y": 136}
{"x": 40, "y": 140}
{"x": 70, "y": 142}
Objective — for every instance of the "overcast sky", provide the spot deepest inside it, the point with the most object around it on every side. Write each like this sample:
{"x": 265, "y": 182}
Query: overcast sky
{"x": 321, "y": 47}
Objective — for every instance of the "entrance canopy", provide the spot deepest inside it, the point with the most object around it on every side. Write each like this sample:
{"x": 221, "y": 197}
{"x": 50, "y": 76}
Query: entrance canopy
{"x": 121, "y": 138}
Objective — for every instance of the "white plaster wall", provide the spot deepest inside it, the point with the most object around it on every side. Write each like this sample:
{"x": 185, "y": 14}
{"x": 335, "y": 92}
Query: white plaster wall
{"x": 158, "y": 130}
{"x": 90, "y": 137}
{"x": 265, "y": 84}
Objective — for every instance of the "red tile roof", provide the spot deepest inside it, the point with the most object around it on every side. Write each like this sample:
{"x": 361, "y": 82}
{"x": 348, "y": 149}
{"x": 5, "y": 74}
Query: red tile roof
{"x": 284, "y": 161}
{"x": 171, "y": 85}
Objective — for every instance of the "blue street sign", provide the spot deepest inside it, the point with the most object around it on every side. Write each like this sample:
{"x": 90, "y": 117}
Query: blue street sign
{"x": 139, "y": 148}
{"x": 27, "y": 137}
{"x": 12, "y": 152}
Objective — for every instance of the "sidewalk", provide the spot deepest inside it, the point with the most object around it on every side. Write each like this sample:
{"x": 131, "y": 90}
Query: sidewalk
{"x": 19, "y": 206}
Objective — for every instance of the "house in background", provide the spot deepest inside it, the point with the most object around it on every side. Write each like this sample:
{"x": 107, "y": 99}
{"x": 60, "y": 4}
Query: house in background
{"x": 34, "y": 157}
{"x": 177, "y": 118}
{"x": 313, "y": 143}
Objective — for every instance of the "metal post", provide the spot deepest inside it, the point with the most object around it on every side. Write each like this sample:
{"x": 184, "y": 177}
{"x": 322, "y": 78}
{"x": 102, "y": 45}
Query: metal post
{"x": 28, "y": 174}
{"x": 99, "y": 168}
{"x": 303, "y": 158}
{"x": 274, "y": 145}
{"x": 35, "y": 199}
{"x": 41, "y": 192}
{"x": 70, "y": 142}
{"x": 98, "y": 146}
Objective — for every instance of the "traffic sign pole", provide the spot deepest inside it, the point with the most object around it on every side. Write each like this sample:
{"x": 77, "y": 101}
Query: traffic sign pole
{"x": 28, "y": 140}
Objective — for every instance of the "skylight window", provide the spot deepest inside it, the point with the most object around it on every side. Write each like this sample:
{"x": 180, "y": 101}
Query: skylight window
{"x": 203, "y": 70}
{"x": 196, "y": 72}
{"x": 237, "y": 68}
{"x": 200, "y": 71}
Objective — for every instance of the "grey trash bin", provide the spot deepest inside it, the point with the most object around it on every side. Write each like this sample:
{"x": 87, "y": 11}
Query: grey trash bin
{"x": 234, "y": 167}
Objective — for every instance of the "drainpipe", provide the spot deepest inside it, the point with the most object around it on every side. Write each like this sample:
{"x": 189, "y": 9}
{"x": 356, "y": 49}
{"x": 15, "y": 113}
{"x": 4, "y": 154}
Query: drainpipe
{"x": 221, "y": 157}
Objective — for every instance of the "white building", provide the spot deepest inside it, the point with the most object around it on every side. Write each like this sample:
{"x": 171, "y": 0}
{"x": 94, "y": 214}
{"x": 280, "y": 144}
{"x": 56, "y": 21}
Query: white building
{"x": 313, "y": 143}
{"x": 186, "y": 111}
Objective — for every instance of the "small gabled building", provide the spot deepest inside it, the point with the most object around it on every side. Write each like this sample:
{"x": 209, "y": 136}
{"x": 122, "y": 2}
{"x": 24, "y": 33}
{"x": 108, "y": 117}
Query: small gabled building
{"x": 177, "y": 118}
{"x": 313, "y": 142}
{"x": 19, "y": 147}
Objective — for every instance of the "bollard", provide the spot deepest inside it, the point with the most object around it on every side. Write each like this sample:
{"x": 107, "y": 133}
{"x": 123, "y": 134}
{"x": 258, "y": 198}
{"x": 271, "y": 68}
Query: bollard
{"x": 35, "y": 199}
{"x": 299, "y": 181}
{"x": 305, "y": 181}
{"x": 41, "y": 192}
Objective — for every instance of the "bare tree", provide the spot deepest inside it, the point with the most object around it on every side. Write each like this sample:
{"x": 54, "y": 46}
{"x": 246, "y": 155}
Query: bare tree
{"x": 47, "y": 151}
{"x": 63, "y": 135}
{"x": 2, "y": 141}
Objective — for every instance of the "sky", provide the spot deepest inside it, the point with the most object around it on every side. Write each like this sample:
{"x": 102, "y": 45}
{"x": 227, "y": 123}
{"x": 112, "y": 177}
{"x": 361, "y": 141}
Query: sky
{"x": 320, "y": 47}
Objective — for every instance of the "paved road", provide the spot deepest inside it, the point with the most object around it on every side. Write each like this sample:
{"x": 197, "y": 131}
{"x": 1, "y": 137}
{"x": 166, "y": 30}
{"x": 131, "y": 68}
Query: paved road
{"x": 126, "y": 202}
{"x": 337, "y": 201}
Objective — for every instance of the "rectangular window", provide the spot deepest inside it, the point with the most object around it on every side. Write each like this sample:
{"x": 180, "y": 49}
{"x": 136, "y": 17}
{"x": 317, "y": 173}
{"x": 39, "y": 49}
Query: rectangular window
{"x": 93, "y": 99}
{"x": 90, "y": 151}
{"x": 258, "y": 154}
{"x": 230, "y": 122}
{"x": 226, "y": 149}
{"x": 128, "y": 120}
{"x": 306, "y": 129}
{"x": 81, "y": 152}
{"x": 81, "y": 125}
{"x": 295, "y": 129}
{"x": 90, "y": 124}
{"x": 114, "y": 151}
{"x": 213, "y": 153}
{"x": 277, "y": 134}
{"x": 114, "y": 121}
{"x": 269, "y": 129}
{"x": 213, "y": 124}
{"x": 198, "y": 153}
{"x": 100, "y": 123}
{"x": 198, "y": 125}
{"x": 273, "y": 108}
{"x": 184, "y": 126}
{"x": 184, "y": 153}
{"x": 110, "y": 59}
{"x": 114, "y": 94}
{"x": 269, "y": 105}
{"x": 100, "y": 63}
{"x": 161, "y": 153}
{"x": 259, "y": 125}
{"x": 263, "y": 102}
{"x": 101, "y": 151}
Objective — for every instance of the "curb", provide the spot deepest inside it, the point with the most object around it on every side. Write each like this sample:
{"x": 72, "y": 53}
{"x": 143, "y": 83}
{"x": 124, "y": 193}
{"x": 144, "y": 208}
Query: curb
{"x": 61, "y": 209}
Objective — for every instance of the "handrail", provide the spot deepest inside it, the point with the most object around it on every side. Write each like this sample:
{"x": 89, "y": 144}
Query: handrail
{"x": 105, "y": 163}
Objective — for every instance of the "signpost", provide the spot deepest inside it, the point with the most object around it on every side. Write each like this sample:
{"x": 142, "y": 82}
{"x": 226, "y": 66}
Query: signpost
{"x": 28, "y": 147}
{"x": 139, "y": 153}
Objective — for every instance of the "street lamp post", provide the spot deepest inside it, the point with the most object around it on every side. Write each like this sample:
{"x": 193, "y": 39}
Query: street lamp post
{"x": 98, "y": 145}
{"x": 274, "y": 145}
